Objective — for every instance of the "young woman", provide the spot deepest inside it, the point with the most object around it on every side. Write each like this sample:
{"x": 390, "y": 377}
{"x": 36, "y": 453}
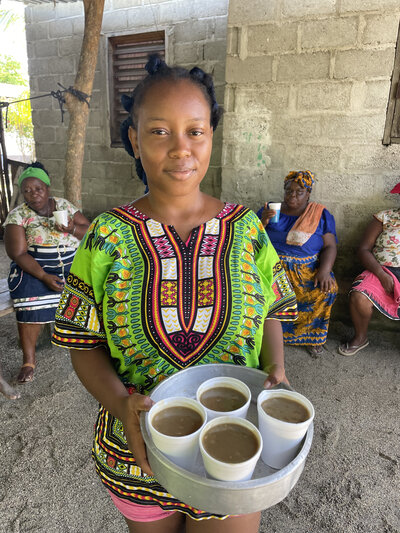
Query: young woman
{"x": 41, "y": 252}
{"x": 173, "y": 279}
{"x": 305, "y": 239}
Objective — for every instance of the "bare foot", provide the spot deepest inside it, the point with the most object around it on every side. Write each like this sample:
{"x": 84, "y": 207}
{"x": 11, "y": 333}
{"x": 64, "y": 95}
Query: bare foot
{"x": 8, "y": 391}
{"x": 26, "y": 373}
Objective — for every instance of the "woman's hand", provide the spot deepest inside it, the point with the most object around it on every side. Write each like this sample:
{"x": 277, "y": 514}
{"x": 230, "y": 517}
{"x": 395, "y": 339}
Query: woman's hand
{"x": 387, "y": 282}
{"x": 276, "y": 375}
{"x": 133, "y": 405}
{"x": 325, "y": 281}
{"x": 66, "y": 229}
{"x": 267, "y": 214}
{"x": 53, "y": 282}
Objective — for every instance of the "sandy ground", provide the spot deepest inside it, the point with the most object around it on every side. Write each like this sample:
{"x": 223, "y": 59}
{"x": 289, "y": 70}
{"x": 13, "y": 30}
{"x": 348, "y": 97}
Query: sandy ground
{"x": 351, "y": 478}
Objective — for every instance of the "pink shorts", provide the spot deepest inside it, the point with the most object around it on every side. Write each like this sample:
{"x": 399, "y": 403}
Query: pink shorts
{"x": 137, "y": 512}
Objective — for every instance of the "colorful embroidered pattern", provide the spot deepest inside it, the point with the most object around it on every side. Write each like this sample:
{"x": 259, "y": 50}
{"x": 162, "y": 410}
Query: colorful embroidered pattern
{"x": 161, "y": 305}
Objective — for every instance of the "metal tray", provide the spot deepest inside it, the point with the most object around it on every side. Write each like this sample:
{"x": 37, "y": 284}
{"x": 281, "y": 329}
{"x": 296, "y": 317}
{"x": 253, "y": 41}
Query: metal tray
{"x": 267, "y": 486}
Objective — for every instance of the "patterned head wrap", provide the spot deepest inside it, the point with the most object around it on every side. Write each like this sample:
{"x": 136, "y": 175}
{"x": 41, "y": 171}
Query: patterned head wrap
{"x": 32, "y": 172}
{"x": 396, "y": 189}
{"x": 304, "y": 178}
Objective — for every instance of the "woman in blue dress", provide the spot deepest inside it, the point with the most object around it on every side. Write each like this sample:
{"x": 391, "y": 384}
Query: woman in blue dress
{"x": 305, "y": 239}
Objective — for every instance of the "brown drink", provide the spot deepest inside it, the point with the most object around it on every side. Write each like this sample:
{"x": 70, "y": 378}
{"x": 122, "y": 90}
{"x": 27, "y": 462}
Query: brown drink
{"x": 177, "y": 421}
{"x": 223, "y": 399}
{"x": 286, "y": 409}
{"x": 230, "y": 443}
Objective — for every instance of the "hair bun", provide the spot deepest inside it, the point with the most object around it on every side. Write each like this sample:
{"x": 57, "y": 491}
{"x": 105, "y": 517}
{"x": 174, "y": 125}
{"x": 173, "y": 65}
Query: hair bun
{"x": 127, "y": 102}
{"x": 197, "y": 73}
{"x": 155, "y": 64}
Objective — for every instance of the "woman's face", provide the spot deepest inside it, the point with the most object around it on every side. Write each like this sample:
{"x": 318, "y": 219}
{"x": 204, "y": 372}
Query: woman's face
{"x": 173, "y": 137}
{"x": 296, "y": 197}
{"x": 36, "y": 194}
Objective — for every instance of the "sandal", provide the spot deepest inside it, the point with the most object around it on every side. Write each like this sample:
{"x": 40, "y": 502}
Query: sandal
{"x": 28, "y": 377}
{"x": 346, "y": 350}
{"x": 315, "y": 351}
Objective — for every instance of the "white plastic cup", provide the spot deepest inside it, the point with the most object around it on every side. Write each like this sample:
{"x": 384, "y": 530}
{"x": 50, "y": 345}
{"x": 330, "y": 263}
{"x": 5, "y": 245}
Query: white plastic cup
{"x": 182, "y": 450}
{"x": 230, "y": 471}
{"x": 276, "y": 206}
{"x": 227, "y": 382}
{"x": 281, "y": 439}
{"x": 61, "y": 217}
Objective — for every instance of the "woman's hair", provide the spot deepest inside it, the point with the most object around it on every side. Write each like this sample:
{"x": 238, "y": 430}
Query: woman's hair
{"x": 304, "y": 178}
{"x": 38, "y": 164}
{"x": 159, "y": 71}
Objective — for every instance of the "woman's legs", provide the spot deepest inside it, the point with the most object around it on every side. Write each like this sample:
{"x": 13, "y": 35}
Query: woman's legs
{"x": 172, "y": 524}
{"x": 28, "y": 334}
{"x": 361, "y": 309}
{"x": 247, "y": 523}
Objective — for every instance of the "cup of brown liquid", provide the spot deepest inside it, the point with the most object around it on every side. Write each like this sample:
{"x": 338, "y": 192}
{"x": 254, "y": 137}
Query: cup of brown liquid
{"x": 175, "y": 425}
{"x": 230, "y": 448}
{"x": 283, "y": 419}
{"x": 222, "y": 396}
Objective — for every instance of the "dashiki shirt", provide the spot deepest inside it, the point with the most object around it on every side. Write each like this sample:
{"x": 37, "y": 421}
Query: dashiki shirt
{"x": 159, "y": 305}
{"x": 33, "y": 301}
{"x": 301, "y": 264}
{"x": 387, "y": 244}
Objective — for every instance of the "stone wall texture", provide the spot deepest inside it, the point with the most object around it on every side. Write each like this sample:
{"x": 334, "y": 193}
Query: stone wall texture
{"x": 307, "y": 88}
{"x": 195, "y": 35}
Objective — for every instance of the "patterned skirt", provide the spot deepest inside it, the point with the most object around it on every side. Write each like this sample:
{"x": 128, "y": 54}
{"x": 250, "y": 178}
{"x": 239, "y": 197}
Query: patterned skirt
{"x": 33, "y": 301}
{"x": 313, "y": 305}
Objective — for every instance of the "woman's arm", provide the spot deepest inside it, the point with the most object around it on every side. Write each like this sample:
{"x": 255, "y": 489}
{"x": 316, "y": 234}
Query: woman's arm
{"x": 271, "y": 355}
{"x": 327, "y": 258}
{"x": 97, "y": 374}
{"x": 367, "y": 258}
{"x": 17, "y": 250}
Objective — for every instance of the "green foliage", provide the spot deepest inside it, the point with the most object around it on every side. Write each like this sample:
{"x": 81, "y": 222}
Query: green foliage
{"x": 10, "y": 71}
{"x": 19, "y": 121}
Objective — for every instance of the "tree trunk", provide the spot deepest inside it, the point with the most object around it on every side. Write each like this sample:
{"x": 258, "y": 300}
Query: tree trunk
{"x": 79, "y": 111}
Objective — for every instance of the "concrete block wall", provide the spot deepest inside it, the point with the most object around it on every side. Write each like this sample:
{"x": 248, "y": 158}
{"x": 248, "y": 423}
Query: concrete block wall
{"x": 195, "y": 35}
{"x": 307, "y": 88}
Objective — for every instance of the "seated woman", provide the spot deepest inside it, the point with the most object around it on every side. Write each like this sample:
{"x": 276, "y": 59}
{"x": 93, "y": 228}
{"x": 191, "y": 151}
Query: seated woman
{"x": 305, "y": 239}
{"x": 41, "y": 252}
{"x": 379, "y": 285}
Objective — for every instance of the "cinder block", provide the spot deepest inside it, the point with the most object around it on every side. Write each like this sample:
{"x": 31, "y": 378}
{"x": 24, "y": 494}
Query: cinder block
{"x": 262, "y": 99}
{"x": 69, "y": 9}
{"x": 115, "y": 21}
{"x": 294, "y": 8}
{"x": 48, "y": 118}
{"x": 215, "y": 50}
{"x": 127, "y": 4}
{"x": 376, "y": 94}
{"x": 37, "y": 31}
{"x": 255, "y": 11}
{"x": 220, "y": 27}
{"x": 60, "y": 28}
{"x": 69, "y": 46}
{"x": 51, "y": 150}
{"x": 192, "y": 30}
{"x": 43, "y": 12}
{"x": 330, "y": 95}
{"x": 45, "y": 134}
{"x": 187, "y": 54}
{"x": 232, "y": 41}
{"x": 311, "y": 156}
{"x": 368, "y": 128}
{"x": 381, "y": 29}
{"x": 329, "y": 33}
{"x": 249, "y": 70}
{"x": 241, "y": 128}
{"x": 211, "y": 183}
{"x": 297, "y": 128}
{"x": 363, "y": 64}
{"x": 307, "y": 66}
{"x": 174, "y": 12}
{"x": 46, "y": 48}
{"x": 140, "y": 17}
{"x": 367, "y": 5}
{"x": 272, "y": 38}
{"x": 371, "y": 157}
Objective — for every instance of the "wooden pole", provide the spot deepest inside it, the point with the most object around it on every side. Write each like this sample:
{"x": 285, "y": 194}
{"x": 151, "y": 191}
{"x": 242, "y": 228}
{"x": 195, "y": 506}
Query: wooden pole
{"x": 79, "y": 111}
